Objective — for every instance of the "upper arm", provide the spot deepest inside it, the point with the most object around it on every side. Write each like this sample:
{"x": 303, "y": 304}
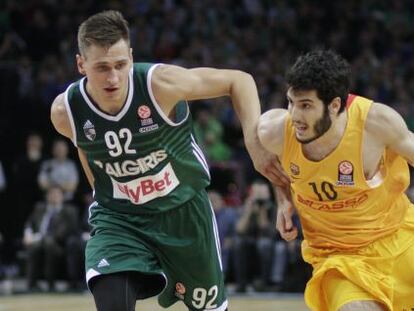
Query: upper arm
{"x": 271, "y": 130}
{"x": 88, "y": 172}
{"x": 60, "y": 120}
{"x": 389, "y": 127}
{"x": 174, "y": 83}
{"x": 59, "y": 117}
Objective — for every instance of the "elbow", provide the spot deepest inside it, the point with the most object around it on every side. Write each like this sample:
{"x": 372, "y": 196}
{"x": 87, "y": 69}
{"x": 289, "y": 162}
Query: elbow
{"x": 241, "y": 80}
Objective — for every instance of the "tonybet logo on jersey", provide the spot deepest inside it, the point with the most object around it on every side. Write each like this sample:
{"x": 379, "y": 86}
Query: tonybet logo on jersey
{"x": 144, "y": 189}
{"x": 133, "y": 167}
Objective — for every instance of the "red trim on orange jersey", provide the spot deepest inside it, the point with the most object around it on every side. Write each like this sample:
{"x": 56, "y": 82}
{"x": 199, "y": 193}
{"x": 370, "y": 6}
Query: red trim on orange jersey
{"x": 350, "y": 100}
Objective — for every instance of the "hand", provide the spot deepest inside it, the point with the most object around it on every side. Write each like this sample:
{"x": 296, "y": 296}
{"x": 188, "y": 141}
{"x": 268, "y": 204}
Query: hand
{"x": 268, "y": 165}
{"x": 284, "y": 223}
{"x": 251, "y": 205}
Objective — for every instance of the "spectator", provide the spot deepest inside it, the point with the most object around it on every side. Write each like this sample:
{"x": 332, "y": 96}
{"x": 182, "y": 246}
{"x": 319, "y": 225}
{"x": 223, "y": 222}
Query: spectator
{"x": 49, "y": 239}
{"x": 60, "y": 171}
{"x": 255, "y": 235}
{"x": 24, "y": 176}
{"x": 78, "y": 245}
{"x": 289, "y": 273}
{"x": 209, "y": 133}
{"x": 226, "y": 218}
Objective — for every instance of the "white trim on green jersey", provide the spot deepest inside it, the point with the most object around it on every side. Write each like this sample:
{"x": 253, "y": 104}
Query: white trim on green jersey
{"x": 155, "y": 103}
{"x": 124, "y": 109}
{"x": 70, "y": 116}
{"x": 200, "y": 155}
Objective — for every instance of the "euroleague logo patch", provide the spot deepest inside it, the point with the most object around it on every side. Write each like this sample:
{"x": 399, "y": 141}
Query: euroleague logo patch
{"x": 345, "y": 174}
{"x": 294, "y": 169}
{"x": 144, "y": 112}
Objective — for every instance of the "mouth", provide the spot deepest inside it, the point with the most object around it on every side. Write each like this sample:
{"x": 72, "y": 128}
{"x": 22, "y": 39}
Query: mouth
{"x": 110, "y": 89}
{"x": 300, "y": 128}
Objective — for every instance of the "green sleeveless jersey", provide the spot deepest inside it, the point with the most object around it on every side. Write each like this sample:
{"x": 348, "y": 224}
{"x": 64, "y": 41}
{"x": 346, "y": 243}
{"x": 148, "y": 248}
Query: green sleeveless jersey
{"x": 142, "y": 161}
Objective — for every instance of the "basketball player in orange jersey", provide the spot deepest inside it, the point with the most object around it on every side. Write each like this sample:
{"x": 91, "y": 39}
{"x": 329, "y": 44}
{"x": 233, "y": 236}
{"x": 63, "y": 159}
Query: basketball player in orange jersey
{"x": 347, "y": 158}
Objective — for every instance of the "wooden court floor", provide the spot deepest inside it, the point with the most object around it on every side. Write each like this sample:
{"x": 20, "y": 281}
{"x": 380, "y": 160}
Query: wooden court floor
{"x": 84, "y": 302}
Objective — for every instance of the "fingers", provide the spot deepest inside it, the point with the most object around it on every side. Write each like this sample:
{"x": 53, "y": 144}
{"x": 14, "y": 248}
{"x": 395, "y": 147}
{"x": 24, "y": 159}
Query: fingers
{"x": 276, "y": 177}
{"x": 290, "y": 235}
{"x": 285, "y": 226}
{"x": 288, "y": 222}
{"x": 275, "y": 173}
{"x": 287, "y": 234}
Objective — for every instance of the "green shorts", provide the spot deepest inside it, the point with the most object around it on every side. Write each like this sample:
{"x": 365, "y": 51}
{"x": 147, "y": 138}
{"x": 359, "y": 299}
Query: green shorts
{"x": 181, "y": 244}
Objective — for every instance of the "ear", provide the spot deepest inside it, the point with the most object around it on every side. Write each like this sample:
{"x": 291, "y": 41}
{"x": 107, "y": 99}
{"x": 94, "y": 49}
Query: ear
{"x": 130, "y": 54}
{"x": 335, "y": 105}
{"x": 80, "y": 61}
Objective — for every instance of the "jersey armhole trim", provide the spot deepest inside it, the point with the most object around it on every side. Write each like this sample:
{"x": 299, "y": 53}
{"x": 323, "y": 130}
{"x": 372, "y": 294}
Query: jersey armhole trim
{"x": 286, "y": 138}
{"x": 70, "y": 116}
{"x": 155, "y": 103}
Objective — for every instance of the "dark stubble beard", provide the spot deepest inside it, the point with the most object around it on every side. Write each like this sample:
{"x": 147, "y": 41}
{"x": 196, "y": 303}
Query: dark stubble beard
{"x": 321, "y": 127}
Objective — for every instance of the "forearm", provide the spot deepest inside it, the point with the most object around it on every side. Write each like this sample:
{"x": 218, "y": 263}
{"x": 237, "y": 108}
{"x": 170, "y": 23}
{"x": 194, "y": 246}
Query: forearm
{"x": 69, "y": 186}
{"x": 85, "y": 166}
{"x": 282, "y": 195}
{"x": 263, "y": 219}
{"x": 242, "y": 224}
{"x": 43, "y": 181}
{"x": 246, "y": 103}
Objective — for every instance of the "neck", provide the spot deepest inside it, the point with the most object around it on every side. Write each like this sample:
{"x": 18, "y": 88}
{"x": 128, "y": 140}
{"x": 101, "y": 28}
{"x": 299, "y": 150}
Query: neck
{"x": 326, "y": 144}
{"x": 106, "y": 104}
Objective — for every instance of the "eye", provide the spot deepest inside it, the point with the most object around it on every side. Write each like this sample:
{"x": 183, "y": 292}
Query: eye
{"x": 102, "y": 68}
{"x": 120, "y": 66}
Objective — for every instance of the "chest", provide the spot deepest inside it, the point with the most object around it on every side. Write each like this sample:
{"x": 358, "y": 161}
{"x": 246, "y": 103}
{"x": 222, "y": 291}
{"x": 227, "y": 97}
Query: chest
{"x": 367, "y": 154}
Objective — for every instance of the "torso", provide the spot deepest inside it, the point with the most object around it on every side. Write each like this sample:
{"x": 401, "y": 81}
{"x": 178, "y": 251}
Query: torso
{"x": 372, "y": 152}
{"x": 341, "y": 200}
{"x": 141, "y": 160}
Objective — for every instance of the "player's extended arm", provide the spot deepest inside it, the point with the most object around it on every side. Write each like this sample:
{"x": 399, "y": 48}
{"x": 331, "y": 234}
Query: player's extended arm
{"x": 271, "y": 131}
{"x": 173, "y": 83}
{"x": 388, "y": 126}
{"x": 60, "y": 121}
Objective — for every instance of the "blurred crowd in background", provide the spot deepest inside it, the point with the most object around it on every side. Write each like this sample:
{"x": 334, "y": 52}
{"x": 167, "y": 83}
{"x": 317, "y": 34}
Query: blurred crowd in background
{"x": 41, "y": 184}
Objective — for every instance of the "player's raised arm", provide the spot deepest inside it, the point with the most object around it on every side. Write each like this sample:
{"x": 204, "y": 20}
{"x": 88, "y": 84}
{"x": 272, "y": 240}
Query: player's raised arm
{"x": 173, "y": 83}
{"x": 388, "y": 126}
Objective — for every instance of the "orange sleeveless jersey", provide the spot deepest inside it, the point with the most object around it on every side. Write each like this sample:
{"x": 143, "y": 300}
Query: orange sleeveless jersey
{"x": 337, "y": 207}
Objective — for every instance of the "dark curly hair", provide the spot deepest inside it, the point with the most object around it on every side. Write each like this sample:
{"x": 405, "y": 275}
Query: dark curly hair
{"x": 324, "y": 71}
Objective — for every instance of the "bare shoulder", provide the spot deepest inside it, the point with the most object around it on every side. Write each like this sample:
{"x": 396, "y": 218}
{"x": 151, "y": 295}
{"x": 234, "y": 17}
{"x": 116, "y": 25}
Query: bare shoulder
{"x": 59, "y": 116}
{"x": 271, "y": 130}
{"x": 169, "y": 85}
{"x": 384, "y": 122}
{"x": 166, "y": 75}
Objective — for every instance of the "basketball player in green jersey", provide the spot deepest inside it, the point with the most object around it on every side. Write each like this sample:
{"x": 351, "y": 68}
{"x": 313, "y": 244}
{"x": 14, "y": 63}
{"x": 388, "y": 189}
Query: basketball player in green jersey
{"x": 153, "y": 228}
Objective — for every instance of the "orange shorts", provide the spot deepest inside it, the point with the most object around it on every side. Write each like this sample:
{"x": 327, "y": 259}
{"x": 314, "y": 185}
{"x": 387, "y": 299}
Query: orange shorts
{"x": 382, "y": 271}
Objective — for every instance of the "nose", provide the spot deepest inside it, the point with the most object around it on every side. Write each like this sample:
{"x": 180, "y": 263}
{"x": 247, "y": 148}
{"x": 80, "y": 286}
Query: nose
{"x": 113, "y": 77}
{"x": 293, "y": 111}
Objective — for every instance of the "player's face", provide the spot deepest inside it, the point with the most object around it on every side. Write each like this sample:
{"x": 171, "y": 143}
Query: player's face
{"x": 107, "y": 70}
{"x": 310, "y": 117}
